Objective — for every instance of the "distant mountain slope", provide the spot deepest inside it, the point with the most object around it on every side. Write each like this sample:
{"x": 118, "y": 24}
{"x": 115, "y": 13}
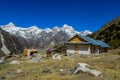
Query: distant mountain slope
{"x": 9, "y": 43}
{"x": 109, "y": 33}
{"x": 35, "y": 37}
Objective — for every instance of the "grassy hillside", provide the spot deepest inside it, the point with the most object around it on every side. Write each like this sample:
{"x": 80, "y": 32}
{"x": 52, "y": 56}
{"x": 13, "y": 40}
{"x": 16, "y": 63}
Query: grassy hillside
{"x": 108, "y": 64}
{"x": 109, "y": 33}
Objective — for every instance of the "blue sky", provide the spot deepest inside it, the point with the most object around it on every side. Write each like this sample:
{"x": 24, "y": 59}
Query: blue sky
{"x": 81, "y": 14}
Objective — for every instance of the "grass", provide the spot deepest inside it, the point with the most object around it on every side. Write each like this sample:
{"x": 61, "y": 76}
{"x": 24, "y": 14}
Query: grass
{"x": 108, "y": 63}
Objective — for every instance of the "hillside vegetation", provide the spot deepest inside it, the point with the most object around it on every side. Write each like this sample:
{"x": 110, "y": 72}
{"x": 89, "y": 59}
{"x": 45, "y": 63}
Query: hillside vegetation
{"x": 109, "y": 33}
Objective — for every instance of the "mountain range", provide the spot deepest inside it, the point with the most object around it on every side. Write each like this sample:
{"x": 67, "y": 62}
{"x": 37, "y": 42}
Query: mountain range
{"x": 34, "y": 37}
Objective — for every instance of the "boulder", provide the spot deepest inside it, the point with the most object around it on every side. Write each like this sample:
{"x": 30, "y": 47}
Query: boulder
{"x": 61, "y": 70}
{"x": 35, "y": 58}
{"x": 19, "y": 71}
{"x": 85, "y": 68}
{"x": 2, "y": 62}
{"x": 95, "y": 72}
{"x": 2, "y": 78}
{"x": 56, "y": 56}
{"x": 46, "y": 70}
{"x": 15, "y": 62}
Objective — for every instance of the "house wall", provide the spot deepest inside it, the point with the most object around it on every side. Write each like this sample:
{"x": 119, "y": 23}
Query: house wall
{"x": 84, "y": 49}
{"x": 94, "y": 49}
{"x": 103, "y": 50}
{"x": 80, "y": 49}
{"x": 70, "y": 49}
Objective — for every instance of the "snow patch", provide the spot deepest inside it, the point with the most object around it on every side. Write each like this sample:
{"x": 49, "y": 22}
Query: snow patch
{"x": 4, "y": 48}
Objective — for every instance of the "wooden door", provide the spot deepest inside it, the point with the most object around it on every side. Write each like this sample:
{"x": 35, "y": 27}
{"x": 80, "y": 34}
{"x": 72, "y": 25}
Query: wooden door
{"x": 76, "y": 48}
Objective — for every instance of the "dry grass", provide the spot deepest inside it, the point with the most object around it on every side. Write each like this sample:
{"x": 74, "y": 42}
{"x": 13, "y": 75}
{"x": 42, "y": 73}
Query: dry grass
{"x": 109, "y": 64}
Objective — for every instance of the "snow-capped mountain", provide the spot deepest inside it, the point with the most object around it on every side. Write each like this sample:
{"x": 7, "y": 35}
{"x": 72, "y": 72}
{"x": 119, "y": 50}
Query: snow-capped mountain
{"x": 85, "y": 32}
{"x": 34, "y": 30}
{"x": 35, "y": 36}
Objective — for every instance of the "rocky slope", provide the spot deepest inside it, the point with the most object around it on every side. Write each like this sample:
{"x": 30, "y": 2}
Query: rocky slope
{"x": 9, "y": 43}
{"x": 109, "y": 33}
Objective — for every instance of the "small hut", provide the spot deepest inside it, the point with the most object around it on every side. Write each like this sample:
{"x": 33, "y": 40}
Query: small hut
{"x": 79, "y": 44}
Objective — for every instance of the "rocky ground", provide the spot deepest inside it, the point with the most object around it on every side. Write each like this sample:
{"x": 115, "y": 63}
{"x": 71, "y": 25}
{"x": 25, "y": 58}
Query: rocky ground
{"x": 19, "y": 67}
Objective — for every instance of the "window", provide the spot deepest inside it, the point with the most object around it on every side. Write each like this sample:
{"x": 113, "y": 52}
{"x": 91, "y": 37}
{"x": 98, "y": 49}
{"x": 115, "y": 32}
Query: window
{"x": 83, "y": 47}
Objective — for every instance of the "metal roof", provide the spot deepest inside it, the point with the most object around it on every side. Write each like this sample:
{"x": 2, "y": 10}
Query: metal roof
{"x": 90, "y": 41}
{"x": 102, "y": 44}
{"x": 95, "y": 42}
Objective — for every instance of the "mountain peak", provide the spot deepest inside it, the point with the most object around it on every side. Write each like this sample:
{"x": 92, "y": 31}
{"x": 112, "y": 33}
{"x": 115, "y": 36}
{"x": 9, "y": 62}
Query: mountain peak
{"x": 48, "y": 30}
{"x": 10, "y": 27}
{"x": 33, "y": 27}
{"x": 10, "y": 24}
{"x": 85, "y": 32}
{"x": 65, "y": 26}
{"x": 56, "y": 28}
